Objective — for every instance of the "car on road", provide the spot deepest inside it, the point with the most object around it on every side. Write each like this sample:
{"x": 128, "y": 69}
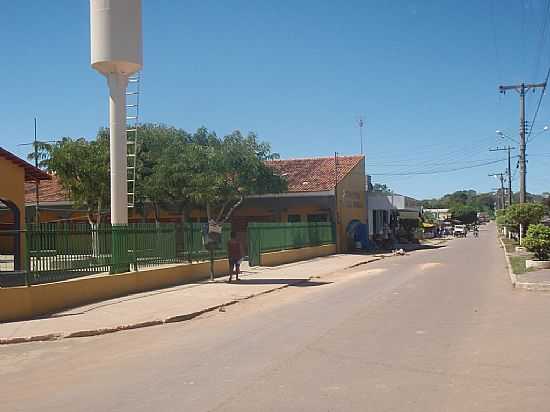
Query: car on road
{"x": 460, "y": 231}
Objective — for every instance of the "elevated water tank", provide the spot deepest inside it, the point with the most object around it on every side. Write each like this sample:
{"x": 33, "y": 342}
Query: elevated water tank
{"x": 116, "y": 36}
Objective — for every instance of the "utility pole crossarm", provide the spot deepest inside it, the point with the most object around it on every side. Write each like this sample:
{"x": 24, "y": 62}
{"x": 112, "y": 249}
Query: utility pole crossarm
{"x": 521, "y": 89}
{"x": 518, "y": 87}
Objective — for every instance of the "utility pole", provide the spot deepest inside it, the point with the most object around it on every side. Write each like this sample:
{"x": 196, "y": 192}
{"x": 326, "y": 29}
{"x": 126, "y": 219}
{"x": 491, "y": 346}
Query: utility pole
{"x": 361, "y": 123}
{"x": 521, "y": 89}
{"x": 502, "y": 198}
{"x": 37, "y": 183}
{"x": 509, "y": 172}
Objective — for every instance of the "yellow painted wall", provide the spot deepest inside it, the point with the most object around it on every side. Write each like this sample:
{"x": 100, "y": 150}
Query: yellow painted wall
{"x": 12, "y": 187}
{"x": 296, "y": 255}
{"x": 20, "y": 303}
{"x": 352, "y": 203}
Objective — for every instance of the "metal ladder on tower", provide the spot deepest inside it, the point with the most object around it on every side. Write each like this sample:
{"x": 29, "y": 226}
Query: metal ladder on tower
{"x": 132, "y": 143}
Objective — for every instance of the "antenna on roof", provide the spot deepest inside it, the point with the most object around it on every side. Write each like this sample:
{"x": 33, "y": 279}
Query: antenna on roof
{"x": 361, "y": 124}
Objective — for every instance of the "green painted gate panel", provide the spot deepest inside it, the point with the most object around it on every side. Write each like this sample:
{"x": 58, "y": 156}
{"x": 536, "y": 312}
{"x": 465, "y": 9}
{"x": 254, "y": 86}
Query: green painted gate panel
{"x": 272, "y": 237}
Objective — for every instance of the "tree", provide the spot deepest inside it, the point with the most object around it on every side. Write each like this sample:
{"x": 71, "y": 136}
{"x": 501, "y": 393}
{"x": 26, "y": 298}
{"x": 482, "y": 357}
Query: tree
{"x": 482, "y": 202}
{"x": 466, "y": 214}
{"x": 524, "y": 214}
{"x": 538, "y": 241}
{"x": 155, "y": 142}
{"x": 82, "y": 168}
{"x": 229, "y": 169}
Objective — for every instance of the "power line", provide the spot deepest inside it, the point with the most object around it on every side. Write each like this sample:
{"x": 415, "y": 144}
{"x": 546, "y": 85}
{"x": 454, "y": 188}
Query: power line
{"x": 495, "y": 42}
{"x": 429, "y": 172}
{"x": 538, "y": 106}
{"x": 542, "y": 39}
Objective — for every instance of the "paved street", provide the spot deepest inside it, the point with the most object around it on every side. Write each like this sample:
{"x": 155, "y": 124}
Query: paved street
{"x": 436, "y": 330}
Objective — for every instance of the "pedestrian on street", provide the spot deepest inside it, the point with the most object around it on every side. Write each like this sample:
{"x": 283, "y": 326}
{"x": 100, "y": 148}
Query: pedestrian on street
{"x": 235, "y": 256}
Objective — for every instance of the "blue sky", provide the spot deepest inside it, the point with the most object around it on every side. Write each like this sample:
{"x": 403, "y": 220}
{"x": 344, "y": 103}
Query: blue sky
{"x": 423, "y": 74}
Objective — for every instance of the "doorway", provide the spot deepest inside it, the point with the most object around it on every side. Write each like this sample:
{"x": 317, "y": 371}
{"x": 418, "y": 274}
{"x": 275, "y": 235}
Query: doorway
{"x": 10, "y": 236}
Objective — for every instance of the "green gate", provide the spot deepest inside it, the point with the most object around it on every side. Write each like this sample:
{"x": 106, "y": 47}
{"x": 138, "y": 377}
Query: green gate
{"x": 272, "y": 237}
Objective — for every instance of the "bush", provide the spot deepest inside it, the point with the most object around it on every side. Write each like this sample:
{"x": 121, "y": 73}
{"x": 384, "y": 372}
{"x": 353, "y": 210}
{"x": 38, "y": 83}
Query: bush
{"x": 538, "y": 241}
{"x": 525, "y": 214}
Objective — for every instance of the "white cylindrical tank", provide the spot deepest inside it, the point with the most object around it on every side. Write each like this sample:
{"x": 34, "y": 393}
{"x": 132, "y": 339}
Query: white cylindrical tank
{"x": 116, "y": 36}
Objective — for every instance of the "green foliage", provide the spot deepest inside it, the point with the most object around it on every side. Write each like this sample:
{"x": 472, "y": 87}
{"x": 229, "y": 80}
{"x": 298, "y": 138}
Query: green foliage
{"x": 229, "y": 169}
{"x": 501, "y": 217}
{"x": 525, "y": 214}
{"x": 538, "y": 241}
{"x": 173, "y": 167}
{"x": 481, "y": 202}
{"x": 429, "y": 217}
{"x": 465, "y": 214}
{"x": 83, "y": 170}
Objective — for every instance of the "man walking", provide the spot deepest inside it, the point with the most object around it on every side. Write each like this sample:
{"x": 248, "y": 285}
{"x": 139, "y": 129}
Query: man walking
{"x": 235, "y": 256}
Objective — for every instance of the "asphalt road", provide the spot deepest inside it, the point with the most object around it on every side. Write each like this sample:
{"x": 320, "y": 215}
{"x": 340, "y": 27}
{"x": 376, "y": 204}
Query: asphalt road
{"x": 437, "y": 330}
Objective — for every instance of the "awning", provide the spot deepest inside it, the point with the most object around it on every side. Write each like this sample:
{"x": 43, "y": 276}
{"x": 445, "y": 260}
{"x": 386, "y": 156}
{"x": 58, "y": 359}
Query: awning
{"x": 409, "y": 214}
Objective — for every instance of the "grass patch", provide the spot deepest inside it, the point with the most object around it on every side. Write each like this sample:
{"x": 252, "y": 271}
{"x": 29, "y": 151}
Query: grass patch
{"x": 518, "y": 264}
{"x": 510, "y": 245}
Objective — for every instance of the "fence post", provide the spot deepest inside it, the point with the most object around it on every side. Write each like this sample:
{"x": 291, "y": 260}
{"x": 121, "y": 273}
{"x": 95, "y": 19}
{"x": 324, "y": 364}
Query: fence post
{"x": 27, "y": 255}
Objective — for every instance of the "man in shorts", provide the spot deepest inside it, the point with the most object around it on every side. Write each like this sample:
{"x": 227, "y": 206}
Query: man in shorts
{"x": 235, "y": 256}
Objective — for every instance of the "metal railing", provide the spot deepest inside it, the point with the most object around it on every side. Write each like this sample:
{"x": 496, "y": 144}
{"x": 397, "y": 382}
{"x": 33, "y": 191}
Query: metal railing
{"x": 271, "y": 237}
{"x": 56, "y": 252}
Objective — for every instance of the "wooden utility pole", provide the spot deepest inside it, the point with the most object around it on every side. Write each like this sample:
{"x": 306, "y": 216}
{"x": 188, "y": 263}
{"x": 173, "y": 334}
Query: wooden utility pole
{"x": 521, "y": 89}
{"x": 502, "y": 198}
{"x": 509, "y": 171}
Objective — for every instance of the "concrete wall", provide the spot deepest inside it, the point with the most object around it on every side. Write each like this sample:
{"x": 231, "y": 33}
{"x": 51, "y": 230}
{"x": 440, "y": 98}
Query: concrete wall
{"x": 352, "y": 203}
{"x": 21, "y": 303}
{"x": 296, "y": 255}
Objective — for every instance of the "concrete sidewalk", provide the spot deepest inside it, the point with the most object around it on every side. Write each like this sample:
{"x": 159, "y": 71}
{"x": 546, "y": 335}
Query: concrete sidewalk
{"x": 175, "y": 304}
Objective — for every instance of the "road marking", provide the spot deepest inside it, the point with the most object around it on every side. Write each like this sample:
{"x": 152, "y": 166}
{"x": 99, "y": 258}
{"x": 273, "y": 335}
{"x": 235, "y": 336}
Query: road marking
{"x": 429, "y": 265}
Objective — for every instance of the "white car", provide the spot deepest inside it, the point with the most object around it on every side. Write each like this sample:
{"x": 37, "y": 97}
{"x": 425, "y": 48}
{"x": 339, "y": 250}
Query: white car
{"x": 459, "y": 230}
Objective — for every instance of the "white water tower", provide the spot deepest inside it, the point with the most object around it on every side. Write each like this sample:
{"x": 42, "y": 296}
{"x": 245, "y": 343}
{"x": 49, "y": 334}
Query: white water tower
{"x": 116, "y": 51}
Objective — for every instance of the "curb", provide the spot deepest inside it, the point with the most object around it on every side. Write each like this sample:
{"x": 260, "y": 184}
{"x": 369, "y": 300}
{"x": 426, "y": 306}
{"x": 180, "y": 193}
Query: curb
{"x": 172, "y": 319}
{"x": 511, "y": 273}
{"x": 539, "y": 287}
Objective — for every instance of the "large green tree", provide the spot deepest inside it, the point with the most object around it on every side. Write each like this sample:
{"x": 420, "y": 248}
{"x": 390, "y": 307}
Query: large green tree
{"x": 229, "y": 169}
{"x": 83, "y": 170}
{"x": 525, "y": 214}
{"x": 466, "y": 214}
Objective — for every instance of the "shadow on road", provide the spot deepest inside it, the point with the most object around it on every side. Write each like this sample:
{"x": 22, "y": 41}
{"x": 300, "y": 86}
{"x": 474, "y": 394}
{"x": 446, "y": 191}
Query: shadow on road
{"x": 290, "y": 282}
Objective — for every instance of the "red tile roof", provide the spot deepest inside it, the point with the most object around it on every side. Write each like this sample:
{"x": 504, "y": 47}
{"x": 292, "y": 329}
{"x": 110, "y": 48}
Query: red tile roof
{"x": 31, "y": 173}
{"x": 314, "y": 174}
{"x": 49, "y": 191}
{"x": 303, "y": 175}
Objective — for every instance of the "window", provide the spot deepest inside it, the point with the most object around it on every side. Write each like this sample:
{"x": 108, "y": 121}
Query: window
{"x": 320, "y": 217}
{"x": 294, "y": 218}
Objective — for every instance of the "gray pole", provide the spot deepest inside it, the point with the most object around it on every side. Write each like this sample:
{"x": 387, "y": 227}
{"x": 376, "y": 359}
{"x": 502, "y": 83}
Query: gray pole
{"x": 502, "y": 190}
{"x": 510, "y": 193}
{"x": 522, "y": 169}
{"x": 521, "y": 89}
{"x": 37, "y": 182}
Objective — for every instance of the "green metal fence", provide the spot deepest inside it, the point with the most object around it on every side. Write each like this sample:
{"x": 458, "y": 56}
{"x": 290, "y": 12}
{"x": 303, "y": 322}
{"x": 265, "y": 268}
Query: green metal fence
{"x": 55, "y": 252}
{"x": 271, "y": 237}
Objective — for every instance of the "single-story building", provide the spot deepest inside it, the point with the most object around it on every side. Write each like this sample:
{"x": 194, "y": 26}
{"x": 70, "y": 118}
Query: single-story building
{"x": 386, "y": 210}
{"x": 322, "y": 189}
{"x": 14, "y": 172}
